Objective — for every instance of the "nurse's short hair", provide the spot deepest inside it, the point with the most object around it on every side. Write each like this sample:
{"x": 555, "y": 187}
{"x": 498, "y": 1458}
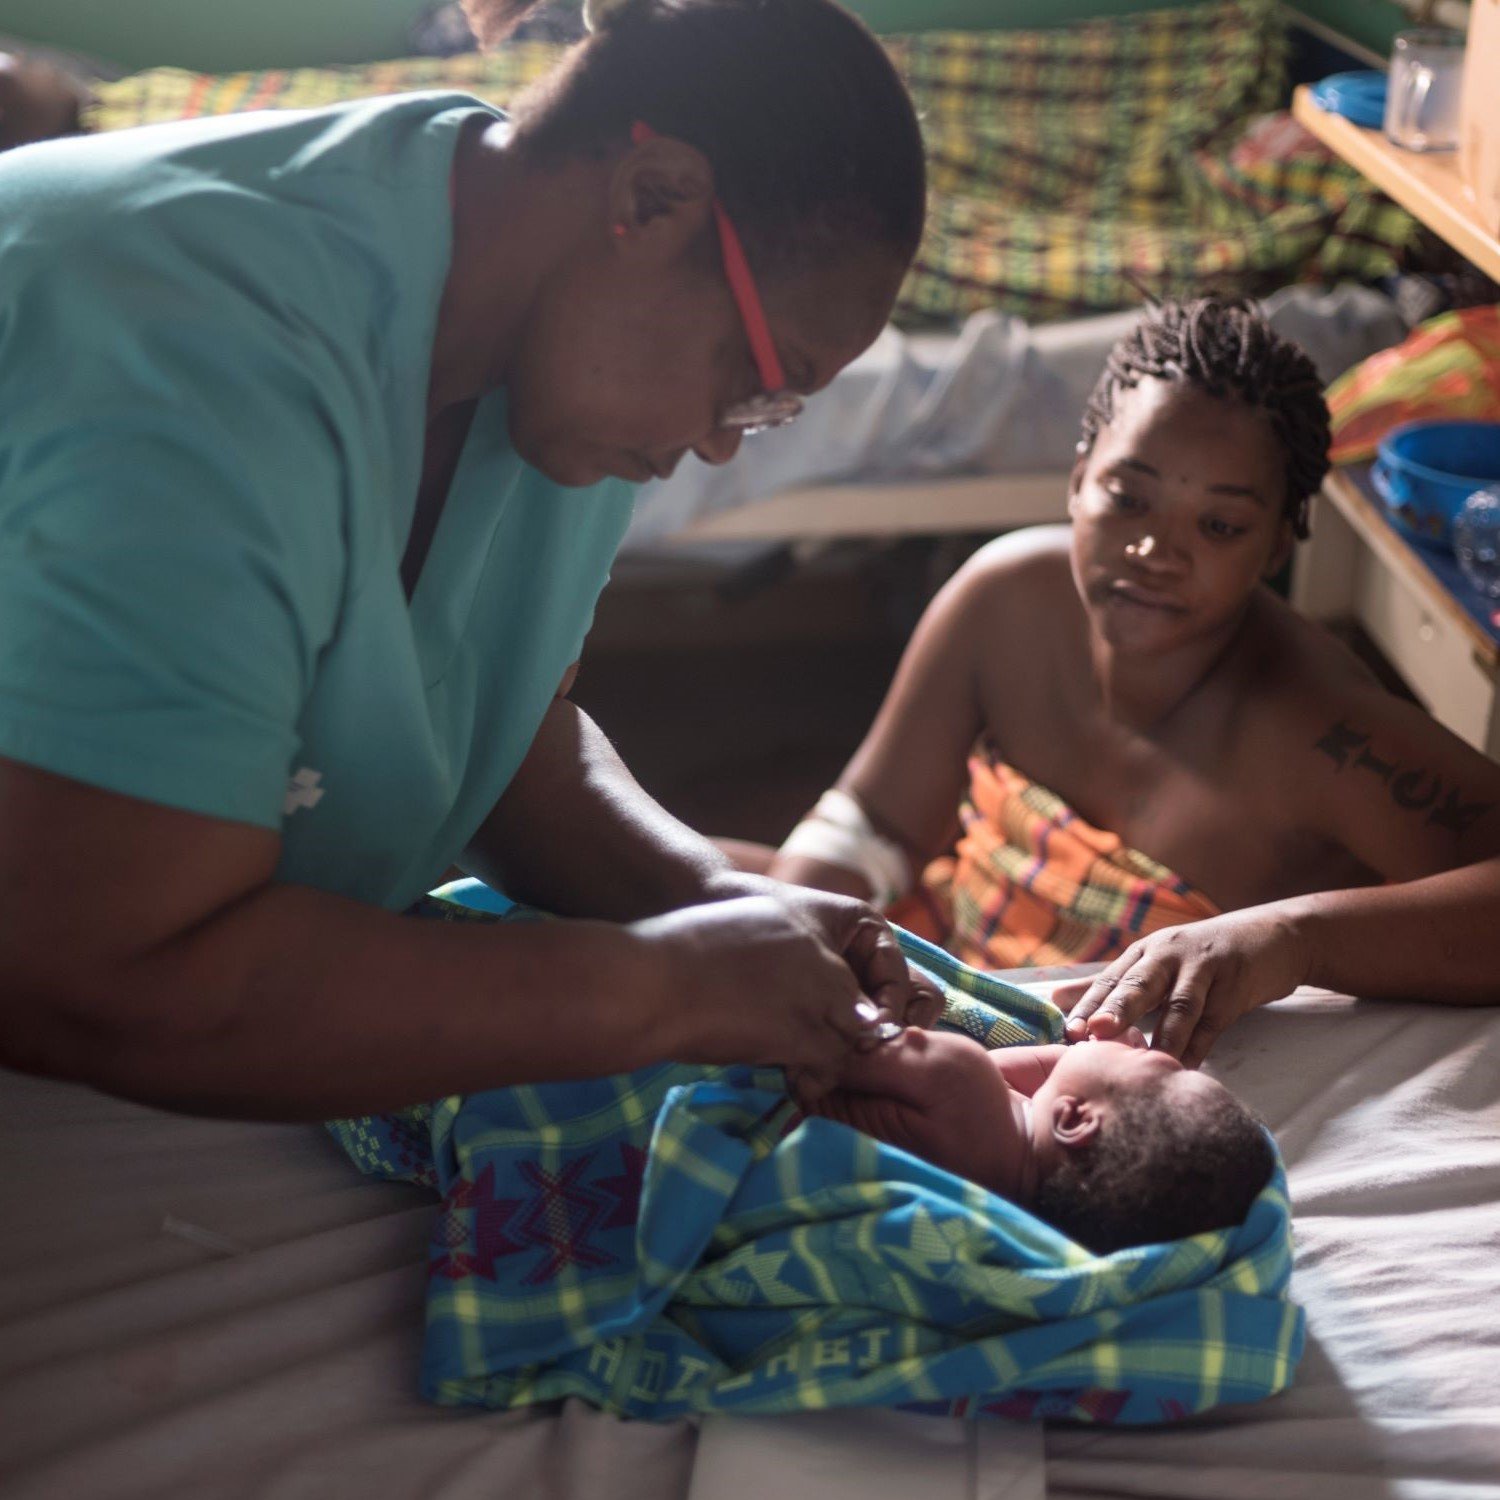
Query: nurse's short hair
{"x": 1226, "y": 348}
{"x": 811, "y": 135}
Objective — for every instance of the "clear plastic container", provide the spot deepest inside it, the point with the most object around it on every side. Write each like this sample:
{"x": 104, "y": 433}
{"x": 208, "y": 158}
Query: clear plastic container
{"x": 1476, "y": 540}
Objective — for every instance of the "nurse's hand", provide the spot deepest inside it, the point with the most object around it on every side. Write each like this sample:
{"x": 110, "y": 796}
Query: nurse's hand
{"x": 744, "y": 981}
{"x": 855, "y": 930}
{"x": 869, "y": 946}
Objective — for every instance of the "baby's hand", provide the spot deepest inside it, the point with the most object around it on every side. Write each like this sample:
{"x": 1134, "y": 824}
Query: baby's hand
{"x": 932, "y": 1093}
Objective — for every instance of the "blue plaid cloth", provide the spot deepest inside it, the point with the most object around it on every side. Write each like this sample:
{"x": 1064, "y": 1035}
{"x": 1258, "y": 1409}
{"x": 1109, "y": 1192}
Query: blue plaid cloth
{"x": 676, "y": 1240}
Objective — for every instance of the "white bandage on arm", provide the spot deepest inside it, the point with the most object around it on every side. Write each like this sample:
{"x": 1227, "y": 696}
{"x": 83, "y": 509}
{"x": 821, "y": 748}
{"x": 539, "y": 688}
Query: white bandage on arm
{"x": 837, "y": 832}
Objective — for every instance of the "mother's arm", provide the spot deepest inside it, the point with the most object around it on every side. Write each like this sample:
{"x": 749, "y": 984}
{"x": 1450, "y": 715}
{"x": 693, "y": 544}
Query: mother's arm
{"x": 910, "y": 770}
{"x": 1422, "y": 809}
{"x": 1397, "y": 791}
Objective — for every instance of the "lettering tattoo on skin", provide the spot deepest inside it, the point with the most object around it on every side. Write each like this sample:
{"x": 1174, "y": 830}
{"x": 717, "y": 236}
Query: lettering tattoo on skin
{"x": 1411, "y": 787}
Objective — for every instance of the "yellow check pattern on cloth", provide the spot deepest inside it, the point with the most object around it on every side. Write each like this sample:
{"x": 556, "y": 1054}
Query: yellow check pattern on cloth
{"x": 675, "y": 1240}
{"x": 1068, "y": 166}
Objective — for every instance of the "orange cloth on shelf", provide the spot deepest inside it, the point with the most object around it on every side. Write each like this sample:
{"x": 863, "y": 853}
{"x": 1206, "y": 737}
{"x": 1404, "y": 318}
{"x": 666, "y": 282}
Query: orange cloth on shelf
{"x": 1446, "y": 370}
{"x": 1030, "y": 884}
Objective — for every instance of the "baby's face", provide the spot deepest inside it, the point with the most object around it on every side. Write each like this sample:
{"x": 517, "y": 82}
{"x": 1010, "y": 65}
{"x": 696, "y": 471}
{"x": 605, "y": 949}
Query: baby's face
{"x": 1092, "y": 1069}
{"x": 1090, "y": 1076}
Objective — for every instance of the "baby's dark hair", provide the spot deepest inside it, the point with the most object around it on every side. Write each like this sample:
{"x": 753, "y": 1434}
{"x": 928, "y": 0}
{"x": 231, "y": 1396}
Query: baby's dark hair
{"x": 811, "y": 135}
{"x": 1227, "y": 349}
{"x": 1157, "y": 1173}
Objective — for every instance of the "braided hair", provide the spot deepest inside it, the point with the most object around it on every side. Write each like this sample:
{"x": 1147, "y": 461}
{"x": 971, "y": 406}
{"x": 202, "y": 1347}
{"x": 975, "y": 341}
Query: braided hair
{"x": 1226, "y": 349}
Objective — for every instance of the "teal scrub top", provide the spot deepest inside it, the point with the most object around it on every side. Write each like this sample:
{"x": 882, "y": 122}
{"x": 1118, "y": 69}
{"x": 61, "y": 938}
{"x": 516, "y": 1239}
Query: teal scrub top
{"x": 214, "y": 349}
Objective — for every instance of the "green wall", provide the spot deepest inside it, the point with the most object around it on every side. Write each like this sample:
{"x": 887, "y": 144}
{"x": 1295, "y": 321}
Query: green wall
{"x": 1373, "y": 22}
{"x": 222, "y": 35}
{"x": 993, "y": 15}
{"x": 216, "y": 35}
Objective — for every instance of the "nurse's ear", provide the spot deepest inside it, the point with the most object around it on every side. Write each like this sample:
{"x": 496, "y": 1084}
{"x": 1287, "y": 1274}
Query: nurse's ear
{"x": 661, "y": 199}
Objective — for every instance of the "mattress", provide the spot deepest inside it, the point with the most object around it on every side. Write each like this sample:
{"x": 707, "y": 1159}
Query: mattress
{"x": 227, "y": 1310}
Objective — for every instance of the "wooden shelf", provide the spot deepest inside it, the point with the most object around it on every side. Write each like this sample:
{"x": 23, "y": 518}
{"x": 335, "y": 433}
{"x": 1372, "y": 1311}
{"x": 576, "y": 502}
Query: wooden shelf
{"x": 1402, "y": 559}
{"x": 1426, "y": 184}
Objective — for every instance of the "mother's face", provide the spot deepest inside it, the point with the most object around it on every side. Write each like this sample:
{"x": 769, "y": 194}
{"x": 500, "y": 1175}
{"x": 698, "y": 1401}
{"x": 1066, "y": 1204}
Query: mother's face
{"x": 636, "y": 348}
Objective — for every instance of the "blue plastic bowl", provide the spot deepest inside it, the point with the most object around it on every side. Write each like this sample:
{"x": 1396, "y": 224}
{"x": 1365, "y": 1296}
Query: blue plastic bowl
{"x": 1426, "y": 470}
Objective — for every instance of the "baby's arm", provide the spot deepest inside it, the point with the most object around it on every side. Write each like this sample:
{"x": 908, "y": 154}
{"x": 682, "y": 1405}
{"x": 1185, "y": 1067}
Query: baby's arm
{"x": 1026, "y": 1069}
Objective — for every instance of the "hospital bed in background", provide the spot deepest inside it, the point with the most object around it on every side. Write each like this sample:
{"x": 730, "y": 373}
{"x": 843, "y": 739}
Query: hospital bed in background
{"x": 974, "y": 431}
{"x": 230, "y": 1312}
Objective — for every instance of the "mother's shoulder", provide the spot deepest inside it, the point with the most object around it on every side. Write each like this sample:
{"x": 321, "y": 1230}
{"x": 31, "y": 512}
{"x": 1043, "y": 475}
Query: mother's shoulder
{"x": 1020, "y": 565}
{"x": 1297, "y": 669}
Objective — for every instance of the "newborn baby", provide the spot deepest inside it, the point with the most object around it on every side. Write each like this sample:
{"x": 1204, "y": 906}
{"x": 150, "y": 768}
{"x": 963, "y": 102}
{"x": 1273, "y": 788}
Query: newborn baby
{"x": 1108, "y": 1142}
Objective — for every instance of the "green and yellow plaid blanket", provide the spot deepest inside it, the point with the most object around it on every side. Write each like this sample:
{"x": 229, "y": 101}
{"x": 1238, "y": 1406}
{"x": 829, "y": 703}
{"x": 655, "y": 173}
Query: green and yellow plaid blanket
{"x": 675, "y": 1240}
{"x": 1069, "y": 167}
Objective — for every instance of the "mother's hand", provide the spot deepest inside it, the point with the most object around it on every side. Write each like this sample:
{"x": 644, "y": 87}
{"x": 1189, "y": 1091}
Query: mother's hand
{"x": 1205, "y": 975}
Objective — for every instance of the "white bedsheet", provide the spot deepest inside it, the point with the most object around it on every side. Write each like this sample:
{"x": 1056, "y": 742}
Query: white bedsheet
{"x": 1000, "y": 397}
{"x": 264, "y": 1343}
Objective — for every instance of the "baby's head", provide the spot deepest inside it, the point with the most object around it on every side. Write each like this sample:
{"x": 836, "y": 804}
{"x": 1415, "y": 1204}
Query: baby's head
{"x": 1116, "y": 1146}
{"x": 1133, "y": 1149}
{"x": 1202, "y": 445}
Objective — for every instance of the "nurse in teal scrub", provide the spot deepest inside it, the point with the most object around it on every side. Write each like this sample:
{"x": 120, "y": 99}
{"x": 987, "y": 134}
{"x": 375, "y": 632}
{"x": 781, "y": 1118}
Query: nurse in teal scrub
{"x": 317, "y": 438}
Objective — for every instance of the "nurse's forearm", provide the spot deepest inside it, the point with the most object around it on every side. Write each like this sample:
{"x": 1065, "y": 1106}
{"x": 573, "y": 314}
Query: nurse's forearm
{"x": 575, "y": 833}
{"x": 1433, "y": 939}
{"x": 298, "y": 1004}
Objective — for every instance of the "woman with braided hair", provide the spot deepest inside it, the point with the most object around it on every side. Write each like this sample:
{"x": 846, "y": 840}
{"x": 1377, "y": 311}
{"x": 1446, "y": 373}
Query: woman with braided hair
{"x": 1175, "y": 772}
{"x": 320, "y": 431}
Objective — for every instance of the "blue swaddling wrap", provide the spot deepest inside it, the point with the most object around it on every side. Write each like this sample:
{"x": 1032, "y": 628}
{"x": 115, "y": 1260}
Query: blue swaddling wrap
{"x": 674, "y": 1241}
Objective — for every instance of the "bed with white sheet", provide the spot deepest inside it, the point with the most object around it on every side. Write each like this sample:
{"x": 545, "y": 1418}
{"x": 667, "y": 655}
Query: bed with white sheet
{"x": 953, "y": 432}
{"x": 227, "y": 1311}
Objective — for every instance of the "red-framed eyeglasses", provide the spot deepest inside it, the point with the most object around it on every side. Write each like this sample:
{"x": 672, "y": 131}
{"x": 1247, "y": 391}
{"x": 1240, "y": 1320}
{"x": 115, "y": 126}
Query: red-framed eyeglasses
{"x": 775, "y": 405}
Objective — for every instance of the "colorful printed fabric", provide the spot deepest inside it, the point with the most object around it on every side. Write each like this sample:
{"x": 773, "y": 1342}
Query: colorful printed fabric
{"x": 675, "y": 1241}
{"x": 160, "y": 94}
{"x": 1071, "y": 166}
{"x": 1068, "y": 167}
{"x": 1449, "y": 368}
{"x": 1031, "y": 884}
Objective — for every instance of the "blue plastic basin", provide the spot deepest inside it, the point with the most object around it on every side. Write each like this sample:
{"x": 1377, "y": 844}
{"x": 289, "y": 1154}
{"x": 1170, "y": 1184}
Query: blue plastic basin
{"x": 1426, "y": 470}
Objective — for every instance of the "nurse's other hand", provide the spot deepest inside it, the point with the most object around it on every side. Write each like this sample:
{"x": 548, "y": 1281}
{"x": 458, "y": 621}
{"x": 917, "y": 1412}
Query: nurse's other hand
{"x": 744, "y": 981}
{"x": 864, "y": 938}
{"x": 1203, "y": 975}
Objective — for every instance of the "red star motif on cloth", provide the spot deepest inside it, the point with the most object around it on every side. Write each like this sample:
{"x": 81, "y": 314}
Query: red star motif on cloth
{"x": 625, "y": 1189}
{"x": 560, "y": 1219}
{"x": 492, "y": 1217}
